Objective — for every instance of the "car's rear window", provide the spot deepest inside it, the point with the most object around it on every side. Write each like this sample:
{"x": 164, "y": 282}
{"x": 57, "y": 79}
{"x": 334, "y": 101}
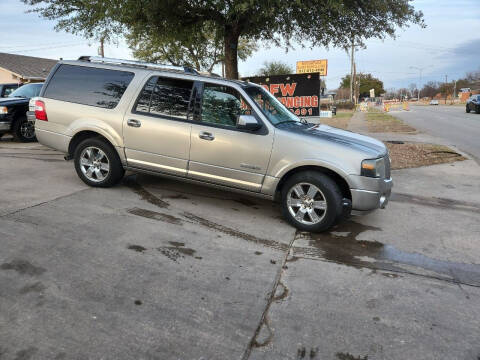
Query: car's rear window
{"x": 89, "y": 86}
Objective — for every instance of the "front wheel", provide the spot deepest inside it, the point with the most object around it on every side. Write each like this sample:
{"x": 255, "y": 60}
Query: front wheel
{"x": 97, "y": 163}
{"x": 477, "y": 109}
{"x": 467, "y": 109}
{"x": 24, "y": 130}
{"x": 311, "y": 201}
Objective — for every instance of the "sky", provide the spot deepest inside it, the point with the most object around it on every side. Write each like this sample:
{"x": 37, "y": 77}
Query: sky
{"x": 449, "y": 45}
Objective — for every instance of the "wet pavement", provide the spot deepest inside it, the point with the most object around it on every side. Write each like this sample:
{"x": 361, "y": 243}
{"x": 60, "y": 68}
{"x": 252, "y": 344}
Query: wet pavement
{"x": 156, "y": 269}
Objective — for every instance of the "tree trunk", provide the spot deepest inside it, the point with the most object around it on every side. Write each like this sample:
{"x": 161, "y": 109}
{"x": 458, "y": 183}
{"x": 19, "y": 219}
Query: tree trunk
{"x": 231, "y": 53}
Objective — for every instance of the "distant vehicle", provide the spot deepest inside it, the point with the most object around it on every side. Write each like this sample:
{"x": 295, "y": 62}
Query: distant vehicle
{"x": 433, "y": 102}
{"x": 13, "y": 111}
{"x": 7, "y": 89}
{"x": 473, "y": 104}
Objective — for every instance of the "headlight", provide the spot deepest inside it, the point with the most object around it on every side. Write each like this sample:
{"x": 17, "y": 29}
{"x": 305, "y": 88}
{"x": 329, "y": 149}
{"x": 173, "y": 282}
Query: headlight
{"x": 373, "y": 168}
{"x": 3, "y": 110}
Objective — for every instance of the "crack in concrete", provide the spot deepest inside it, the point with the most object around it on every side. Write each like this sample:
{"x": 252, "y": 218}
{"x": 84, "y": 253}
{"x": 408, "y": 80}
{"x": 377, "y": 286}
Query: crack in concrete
{"x": 43, "y": 203}
{"x": 264, "y": 320}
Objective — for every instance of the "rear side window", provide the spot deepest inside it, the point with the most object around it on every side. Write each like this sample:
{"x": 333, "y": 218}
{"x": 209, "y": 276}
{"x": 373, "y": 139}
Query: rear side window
{"x": 165, "y": 97}
{"x": 88, "y": 86}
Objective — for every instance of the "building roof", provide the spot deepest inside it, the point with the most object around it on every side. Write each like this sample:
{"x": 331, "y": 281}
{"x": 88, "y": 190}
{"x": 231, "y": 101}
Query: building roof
{"x": 27, "y": 67}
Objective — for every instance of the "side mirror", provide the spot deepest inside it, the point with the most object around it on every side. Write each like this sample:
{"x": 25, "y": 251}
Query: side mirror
{"x": 248, "y": 122}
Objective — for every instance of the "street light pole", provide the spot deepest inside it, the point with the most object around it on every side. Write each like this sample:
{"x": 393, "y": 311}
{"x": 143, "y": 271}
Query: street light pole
{"x": 420, "y": 69}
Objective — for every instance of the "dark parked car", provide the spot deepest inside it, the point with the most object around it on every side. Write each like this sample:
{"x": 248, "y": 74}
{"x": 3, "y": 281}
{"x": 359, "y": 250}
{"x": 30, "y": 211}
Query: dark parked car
{"x": 7, "y": 89}
{"x": 13, "y": 111}
{"x": 473, "y": 104}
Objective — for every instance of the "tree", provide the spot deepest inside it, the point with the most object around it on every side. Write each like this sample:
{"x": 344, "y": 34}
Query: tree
{"x": 201, "y": 50}
{"x": 367, "y": 82}
{"x": 316, "y": 22}
{"x": 275, "y": 68}
{"x": 430, "y": 89}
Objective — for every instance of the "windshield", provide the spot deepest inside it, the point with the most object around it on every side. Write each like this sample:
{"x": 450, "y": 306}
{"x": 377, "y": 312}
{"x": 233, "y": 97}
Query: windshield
{"x": 27, "y": 91}
{"x": 273, "y": 109}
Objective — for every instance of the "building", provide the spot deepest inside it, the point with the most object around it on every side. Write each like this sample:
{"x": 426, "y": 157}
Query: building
{"x": 24, "y": 69}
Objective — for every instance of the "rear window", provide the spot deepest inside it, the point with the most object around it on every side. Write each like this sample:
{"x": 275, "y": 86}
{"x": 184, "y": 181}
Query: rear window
{"x": 88, "y": 86}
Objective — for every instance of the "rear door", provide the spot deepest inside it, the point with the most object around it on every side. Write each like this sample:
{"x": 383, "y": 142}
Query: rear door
{"x": 157, "y": 128}
{"x": 220, "y": 153}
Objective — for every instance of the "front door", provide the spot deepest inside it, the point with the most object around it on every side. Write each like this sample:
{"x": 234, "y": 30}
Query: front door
{"x": 220, "y": 153}
{"x": 156, "y": 131}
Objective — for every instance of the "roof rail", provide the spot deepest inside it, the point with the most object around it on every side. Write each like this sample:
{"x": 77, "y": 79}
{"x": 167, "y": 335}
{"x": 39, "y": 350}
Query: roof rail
{"x": 146, "y": 65}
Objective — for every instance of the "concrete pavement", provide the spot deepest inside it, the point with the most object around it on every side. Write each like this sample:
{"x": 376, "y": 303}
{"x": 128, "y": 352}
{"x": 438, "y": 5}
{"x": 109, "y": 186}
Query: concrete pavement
{"x": 156, "y": 269}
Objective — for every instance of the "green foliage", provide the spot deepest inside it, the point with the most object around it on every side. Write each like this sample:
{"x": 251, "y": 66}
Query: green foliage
{"x": 275, "y": 68}
{"x": 201, "y": 50}
{"x": 280, "y": 22}
{"x": 367, "y": 82}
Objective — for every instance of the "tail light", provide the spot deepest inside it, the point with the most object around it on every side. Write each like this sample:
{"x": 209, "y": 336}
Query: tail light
{"x": 40, "y": 113}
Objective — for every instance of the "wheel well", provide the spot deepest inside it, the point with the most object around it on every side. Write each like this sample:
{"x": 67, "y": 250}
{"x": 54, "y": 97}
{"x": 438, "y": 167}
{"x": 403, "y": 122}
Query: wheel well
{"x": 82, "y": 135}
{"x": 339, "y": 180}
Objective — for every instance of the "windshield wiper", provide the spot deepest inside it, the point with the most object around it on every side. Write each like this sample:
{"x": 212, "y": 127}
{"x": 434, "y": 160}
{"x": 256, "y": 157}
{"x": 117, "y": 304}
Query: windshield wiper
{"x": 287, "y": 121}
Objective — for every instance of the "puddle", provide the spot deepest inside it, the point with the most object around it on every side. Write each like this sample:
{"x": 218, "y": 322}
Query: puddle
{"x": 340, "y": 245}
{"x": 232, "y": 232}
{"x": 436, "y": 202}
{"x": 246, "y": 202}
{"x": 177, "y": 251}
{"x": 144, "y": 194}
{"x": 156, "y": 216}
{"x": 23, "y": 267}
{"x": 348, "y": 356}
{"x": 137, "y": 248}
{"x": 343, "y": 248}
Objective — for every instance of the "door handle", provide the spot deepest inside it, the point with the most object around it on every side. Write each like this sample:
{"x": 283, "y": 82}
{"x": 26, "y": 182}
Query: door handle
{"x": 134, "y": 123}
{"x": 206, "y": 136}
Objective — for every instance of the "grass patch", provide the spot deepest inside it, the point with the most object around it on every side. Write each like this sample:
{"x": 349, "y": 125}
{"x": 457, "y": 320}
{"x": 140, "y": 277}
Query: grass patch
{"x": 410, "y": 155}
{"x": 340, "y": 120}
{"x": 379, "y": 122}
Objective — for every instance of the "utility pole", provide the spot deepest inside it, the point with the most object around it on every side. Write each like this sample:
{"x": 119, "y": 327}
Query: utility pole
{"x": 455, "y": 90}
{"x": 351, "y": 69}
{"x": 445, "y": 89}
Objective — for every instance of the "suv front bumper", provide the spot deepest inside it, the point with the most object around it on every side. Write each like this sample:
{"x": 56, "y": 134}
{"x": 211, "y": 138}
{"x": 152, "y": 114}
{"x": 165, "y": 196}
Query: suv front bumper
{"x": 371, "y": 193}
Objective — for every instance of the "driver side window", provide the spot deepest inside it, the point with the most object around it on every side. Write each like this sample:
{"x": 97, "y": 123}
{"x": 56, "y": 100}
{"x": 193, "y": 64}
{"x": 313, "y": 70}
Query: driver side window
{"x": 222, "y": 105}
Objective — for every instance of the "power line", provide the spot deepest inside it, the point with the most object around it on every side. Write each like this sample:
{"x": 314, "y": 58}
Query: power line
{"x": 48, "y": 48}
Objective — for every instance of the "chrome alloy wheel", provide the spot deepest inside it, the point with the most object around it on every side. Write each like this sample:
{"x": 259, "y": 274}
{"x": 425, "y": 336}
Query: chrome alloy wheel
{"x": 306, "y": 203}
{"x": 94, "y": 164}
{"x": 27, "y": 129}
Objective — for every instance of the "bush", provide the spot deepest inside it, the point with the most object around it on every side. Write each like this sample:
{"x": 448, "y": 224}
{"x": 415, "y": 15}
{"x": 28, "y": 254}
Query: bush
{"x": 347, "y": 105}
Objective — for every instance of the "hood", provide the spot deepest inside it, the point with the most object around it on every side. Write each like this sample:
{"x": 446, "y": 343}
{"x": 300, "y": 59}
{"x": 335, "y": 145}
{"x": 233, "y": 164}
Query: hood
{"x": 13, "y": 101}
{"x": 347, "y": 138}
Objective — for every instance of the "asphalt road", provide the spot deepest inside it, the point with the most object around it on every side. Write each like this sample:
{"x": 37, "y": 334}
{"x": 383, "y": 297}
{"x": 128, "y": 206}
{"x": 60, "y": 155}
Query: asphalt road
{"x": 157, "y": 269}
{"x": 449, "y": 122}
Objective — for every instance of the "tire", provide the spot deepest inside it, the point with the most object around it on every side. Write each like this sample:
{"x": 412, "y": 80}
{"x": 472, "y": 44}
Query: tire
{"x": 309, "y": 214}
{"x": 23, "y": 130}
{"x": 97, "y": 163}
{"x": 467, "y": 109}
{"x": 477, "y": 109}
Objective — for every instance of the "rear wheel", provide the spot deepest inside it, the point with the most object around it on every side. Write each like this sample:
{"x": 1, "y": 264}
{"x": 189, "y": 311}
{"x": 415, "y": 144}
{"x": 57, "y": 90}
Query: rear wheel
{"x": 467, "y": 109}
{"x": 477, "y": 109}
{"x": 311, "y": 201}
{"x": 24, "y": 130}
{"x": 97, "y": 163}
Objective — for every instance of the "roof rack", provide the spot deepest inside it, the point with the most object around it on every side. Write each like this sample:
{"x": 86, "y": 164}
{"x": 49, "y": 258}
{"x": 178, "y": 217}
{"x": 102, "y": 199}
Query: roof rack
{"x": 145, "y": 65}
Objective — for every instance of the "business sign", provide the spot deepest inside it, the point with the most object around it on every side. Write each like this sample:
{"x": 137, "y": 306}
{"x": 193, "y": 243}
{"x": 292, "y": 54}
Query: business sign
{"x": 372, "y": 93}
{"x": 312, "y": 66}
{"x": 300, "y": 93}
